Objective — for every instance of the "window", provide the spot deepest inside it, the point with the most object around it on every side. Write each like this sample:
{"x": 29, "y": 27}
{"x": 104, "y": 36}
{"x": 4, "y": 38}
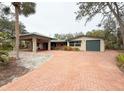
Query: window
{"x": 71, "y": 43}
{"x": 75, "y": 43}
{"x": 78, "y": 43}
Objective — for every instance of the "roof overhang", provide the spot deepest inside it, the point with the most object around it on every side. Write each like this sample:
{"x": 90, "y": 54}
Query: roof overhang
{"x": 84, "y": 36}
{"x": 58, "y": 41}
{"x": 34, "y": 35}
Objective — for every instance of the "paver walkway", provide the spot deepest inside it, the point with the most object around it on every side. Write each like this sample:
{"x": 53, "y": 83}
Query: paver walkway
{"x": 73, "y": 71}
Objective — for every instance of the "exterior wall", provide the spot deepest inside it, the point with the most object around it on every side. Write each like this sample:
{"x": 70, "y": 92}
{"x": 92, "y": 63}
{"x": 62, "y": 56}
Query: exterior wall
{"x": 83, "y": 43}
{"x": 102, "y": 45}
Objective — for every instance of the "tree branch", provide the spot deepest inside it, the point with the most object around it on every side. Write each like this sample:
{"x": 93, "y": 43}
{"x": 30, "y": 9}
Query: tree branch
{"x": 115, "y": 14}
{"x": 117, "y": 9}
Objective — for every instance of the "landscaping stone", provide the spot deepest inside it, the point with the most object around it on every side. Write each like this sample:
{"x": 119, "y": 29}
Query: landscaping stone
{"x": 31, "y": 60}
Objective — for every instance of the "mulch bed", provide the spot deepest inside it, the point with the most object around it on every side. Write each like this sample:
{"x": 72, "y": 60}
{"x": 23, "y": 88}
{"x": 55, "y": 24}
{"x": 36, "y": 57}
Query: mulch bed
{"x": 10, "y": 72}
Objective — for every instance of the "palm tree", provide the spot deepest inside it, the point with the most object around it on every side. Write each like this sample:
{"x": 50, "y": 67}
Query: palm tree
{"x": 24, "y": 8}
{"x": 21, "y": 8}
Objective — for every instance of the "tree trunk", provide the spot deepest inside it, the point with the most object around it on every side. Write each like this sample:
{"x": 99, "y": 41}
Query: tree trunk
{"x": 117, "y": 16}
{"x": 17, "y": 31}
{"x": 122, "y": 34}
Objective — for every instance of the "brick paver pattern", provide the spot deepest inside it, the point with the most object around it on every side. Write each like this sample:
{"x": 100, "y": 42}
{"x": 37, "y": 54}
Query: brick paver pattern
{"x": 73, "y": 71}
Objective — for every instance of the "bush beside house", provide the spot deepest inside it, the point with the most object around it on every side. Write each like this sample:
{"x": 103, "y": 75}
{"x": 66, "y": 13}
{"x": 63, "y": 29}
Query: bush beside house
{"x": 120, "y": 62}
{"x": 4, "y": 58}
{"x": 67, "y": 48}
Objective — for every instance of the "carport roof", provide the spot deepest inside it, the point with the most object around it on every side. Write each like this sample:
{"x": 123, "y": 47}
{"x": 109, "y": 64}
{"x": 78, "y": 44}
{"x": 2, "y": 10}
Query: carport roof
{"x": 34, "y": 34}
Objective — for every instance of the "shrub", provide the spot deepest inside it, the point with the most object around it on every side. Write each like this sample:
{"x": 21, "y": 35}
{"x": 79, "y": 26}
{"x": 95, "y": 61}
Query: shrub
{"x": 4, "y": 58}
{"x": 67, "y": 48}
{"x": 12, "y": 58}
{"x": 120, "y": 61}
{"x": 58, "y": 48}
{"x": 120, "y": 58}
{"x": 6, "y": 46}
{"x": 76, "y": 49}
{"x": 122, "y": 67}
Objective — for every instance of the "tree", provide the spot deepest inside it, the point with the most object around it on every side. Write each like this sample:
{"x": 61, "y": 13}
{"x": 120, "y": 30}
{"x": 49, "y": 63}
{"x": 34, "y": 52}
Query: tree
{"x": 8, "y": 26}
{"x": 106, "y": 9}
{"x": 68, "y": 35}
{"x": 5, "y": 41}
{"x": 96, "y": 33}
{"x": 119, "y": 39}
{"x": 109, "y": 37}
{"x": 21, "y": 8}
{"x": 111, "y": 28}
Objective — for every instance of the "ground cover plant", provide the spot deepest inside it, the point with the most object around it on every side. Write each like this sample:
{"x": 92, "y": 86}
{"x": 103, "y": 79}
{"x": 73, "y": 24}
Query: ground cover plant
{"x": 120, "y": 62}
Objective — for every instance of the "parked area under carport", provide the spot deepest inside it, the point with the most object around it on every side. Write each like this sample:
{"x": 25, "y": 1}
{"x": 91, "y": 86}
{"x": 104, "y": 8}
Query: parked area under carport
{"x": 73, "y": 71}
{"x": 34, "y": 42}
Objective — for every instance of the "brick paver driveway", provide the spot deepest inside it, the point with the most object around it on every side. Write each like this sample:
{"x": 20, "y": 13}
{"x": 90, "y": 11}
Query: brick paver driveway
{"x": 73, "y": 71}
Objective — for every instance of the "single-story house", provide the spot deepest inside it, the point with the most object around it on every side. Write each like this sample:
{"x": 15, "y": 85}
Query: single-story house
{"x": 36, "y": 42}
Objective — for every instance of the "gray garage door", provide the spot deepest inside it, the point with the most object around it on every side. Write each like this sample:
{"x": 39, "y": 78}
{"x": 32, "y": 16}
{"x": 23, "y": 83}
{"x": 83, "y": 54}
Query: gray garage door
{"x": 93, "y": 45}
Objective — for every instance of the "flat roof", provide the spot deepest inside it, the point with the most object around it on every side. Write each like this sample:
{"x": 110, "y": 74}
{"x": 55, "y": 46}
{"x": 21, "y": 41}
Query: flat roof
{"x": 58, "y": 40}
{"x": 85, "y": 36}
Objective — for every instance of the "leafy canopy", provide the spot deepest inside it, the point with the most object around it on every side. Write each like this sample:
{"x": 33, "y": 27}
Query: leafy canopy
{"x": 25, "y": 8}
{"x": 68, "y": 35}
{"x": 106, "y": 9}
{"x": 9, "y": 26}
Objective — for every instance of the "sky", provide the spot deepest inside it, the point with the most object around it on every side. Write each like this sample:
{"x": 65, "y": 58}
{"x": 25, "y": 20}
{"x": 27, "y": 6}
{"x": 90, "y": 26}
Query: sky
{"x": 57, "y": 17}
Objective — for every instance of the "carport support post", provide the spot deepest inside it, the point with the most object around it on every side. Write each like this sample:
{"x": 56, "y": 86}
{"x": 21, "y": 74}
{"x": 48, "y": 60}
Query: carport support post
{"x": 67, "y": 43}
{"x": 34, "y": 40}
{"x": 49, "y": 45}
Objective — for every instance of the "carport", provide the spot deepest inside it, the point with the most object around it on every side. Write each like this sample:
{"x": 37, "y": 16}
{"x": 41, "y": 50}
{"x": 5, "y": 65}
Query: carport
{"x": 34, "y": 42}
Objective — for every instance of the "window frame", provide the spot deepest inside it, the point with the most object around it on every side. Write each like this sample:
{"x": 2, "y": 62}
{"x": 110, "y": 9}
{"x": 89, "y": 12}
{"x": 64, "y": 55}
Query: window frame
{"x": 75, "y": 43}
